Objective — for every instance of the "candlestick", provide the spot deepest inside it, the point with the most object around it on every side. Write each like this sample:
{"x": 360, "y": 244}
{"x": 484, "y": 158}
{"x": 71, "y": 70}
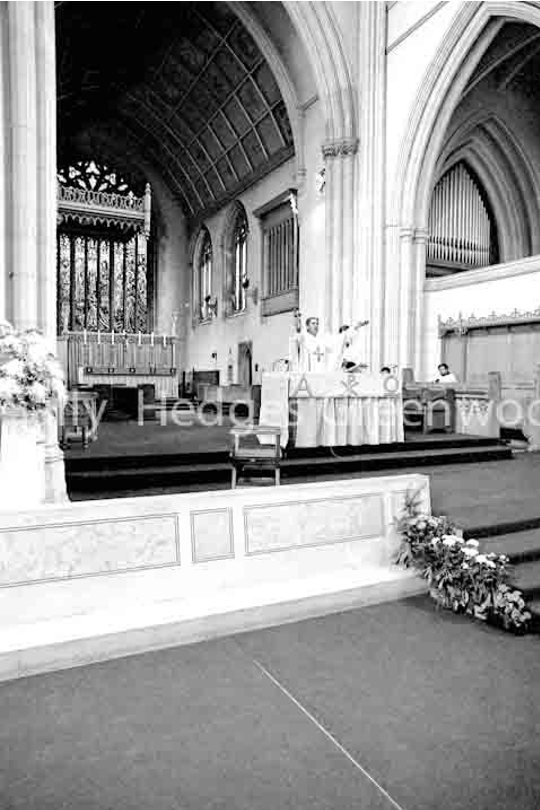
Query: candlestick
{"x": 98, "y": 337}
{"x": 84, "y": 336}
{"x": 139, "y": 341}
{"x": 152, "y": 339}
{"x": 112, "y": 338}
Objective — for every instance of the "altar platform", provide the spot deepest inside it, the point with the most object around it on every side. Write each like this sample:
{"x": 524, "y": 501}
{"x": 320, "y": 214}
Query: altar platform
{"x": 128, "y": 459}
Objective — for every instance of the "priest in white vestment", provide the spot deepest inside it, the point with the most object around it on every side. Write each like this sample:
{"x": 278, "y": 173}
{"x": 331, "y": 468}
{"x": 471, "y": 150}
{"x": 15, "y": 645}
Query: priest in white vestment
{"x": 312, "y": 350}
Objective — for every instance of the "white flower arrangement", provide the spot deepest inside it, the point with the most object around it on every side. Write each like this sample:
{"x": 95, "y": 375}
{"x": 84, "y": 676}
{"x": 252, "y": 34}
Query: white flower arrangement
{"x": 30, "y": 375}
{"x": 461, "y": 577}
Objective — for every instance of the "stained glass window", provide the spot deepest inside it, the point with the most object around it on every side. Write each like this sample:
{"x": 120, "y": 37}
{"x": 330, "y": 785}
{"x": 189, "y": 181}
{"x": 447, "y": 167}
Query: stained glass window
{"x": 205, "y": 276}
{"x": 90, "y": 175}
{"x": 240, "y": 262}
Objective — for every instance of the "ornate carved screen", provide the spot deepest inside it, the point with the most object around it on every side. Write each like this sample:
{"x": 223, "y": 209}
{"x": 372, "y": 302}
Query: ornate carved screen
{"x": 462, "y": 232}
{"x": 102, "y": 252}
{"x": 509, "y": 344}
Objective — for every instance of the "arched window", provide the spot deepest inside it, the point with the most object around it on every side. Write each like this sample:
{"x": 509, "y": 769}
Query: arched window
{"x": 462, "y": 228}
{"x": 206, "y": 303}
{"x": 239, "y": 275}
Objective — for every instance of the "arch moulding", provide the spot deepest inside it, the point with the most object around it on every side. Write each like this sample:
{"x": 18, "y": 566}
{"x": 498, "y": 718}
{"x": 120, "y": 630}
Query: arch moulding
{"x": 471, "y": 32}
{"x": 473, "y": 29}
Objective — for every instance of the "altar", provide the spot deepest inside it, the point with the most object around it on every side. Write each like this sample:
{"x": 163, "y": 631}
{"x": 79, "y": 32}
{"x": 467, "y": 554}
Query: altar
{"x": 333, "y": 409}
{"x": 121, "y": 360}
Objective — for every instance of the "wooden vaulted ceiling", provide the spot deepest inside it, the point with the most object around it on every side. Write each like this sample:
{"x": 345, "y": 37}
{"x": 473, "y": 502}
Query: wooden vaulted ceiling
{"x": 185, "y": 80}
{"x": 512, "y": 61}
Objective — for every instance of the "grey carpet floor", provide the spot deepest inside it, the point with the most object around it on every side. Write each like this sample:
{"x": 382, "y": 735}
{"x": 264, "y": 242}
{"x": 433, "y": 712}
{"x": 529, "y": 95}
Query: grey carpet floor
{"x": 391, "y": 706}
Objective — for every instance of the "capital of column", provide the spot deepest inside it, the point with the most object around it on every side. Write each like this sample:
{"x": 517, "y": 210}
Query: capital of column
{"x": 342, "y": 147}
{"x": 421, "y": 235}
{"x": 406, "y": 233}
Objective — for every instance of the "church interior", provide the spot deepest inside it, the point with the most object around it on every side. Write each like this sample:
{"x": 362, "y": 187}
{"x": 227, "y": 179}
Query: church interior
{"x": 269, "y": 279}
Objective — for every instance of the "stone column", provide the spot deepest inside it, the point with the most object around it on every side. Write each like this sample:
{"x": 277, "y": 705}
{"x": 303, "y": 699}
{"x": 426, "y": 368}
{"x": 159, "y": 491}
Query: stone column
{"x": 55, "y": 480}
{"x": 23, "y": 204}
{"x": 420, "y": 248}
{"x": 369, "y": 288}
{"x": 340, "y": 162}
{"x": 391, "y": 281}
{"x": 46, "y": 168}
{"x": 32, "y": 181}
{"x": 4, "y": 179}
{"x": 406, "y": 313}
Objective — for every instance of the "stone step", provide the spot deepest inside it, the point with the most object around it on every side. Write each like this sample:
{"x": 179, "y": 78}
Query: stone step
{"x": 422, "y": 456}
{"x": 526, "y": 577}
{"x": 296, "y": 466}
{"x": 519, "y": 546}
{"x": 534, "y": 606}
{"x": 523, "y": 549}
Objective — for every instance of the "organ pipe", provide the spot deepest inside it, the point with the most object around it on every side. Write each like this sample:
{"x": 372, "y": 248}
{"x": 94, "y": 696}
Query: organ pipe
{"x": 460, "y": 229}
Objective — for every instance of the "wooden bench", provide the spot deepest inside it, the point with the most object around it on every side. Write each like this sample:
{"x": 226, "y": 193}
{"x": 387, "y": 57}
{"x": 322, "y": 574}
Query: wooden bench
{"x": 457, "y": 408}
{"x": 433, "y": 405}
{"x": 248, "y": 451}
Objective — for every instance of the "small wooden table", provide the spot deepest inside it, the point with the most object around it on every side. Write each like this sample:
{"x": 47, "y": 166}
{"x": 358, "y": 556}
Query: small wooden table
{"x": 256, "y": 447}
{"x": 80, "y": 414}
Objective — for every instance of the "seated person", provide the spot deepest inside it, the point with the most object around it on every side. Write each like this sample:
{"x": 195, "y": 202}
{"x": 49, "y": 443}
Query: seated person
{"x": 445, "y": 376}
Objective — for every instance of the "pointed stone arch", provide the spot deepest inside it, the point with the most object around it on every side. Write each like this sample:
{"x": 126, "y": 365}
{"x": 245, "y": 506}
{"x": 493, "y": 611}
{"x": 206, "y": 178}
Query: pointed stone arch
{"x": 317, "y": 27}
{"x": 508, "y": 176}
{"x": 474, "y": 27}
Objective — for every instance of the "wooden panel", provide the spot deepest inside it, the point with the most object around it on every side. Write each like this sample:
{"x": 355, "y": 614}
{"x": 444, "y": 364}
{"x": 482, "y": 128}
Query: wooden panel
{"x": 453, "y": 354}
{"x": 511, "y": 350}
{"x": 525, "y": 352}
{"x": 487, "y": 351}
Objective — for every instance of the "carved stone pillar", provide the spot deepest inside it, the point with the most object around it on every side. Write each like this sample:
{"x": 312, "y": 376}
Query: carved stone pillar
{"x": 340, "y": 164}
{"x": 4, "y": 176}
{"x": 31, "y": 232}
{"x": 46, "y": 168}
{"x": 22, "y": 233}
{"x": 55, "y": 479}
{"x": 406, "y": 312}
{"x": 391, "y": 311}
{"x": 420, "y": 248}
{"x": 369, "y": 288}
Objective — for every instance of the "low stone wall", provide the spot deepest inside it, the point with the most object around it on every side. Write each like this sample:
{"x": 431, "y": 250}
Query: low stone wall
{"x": 92, "y": 580}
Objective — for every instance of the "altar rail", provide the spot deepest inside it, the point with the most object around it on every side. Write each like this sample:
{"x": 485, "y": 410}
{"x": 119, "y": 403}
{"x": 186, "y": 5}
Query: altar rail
{"x": 116, "y": 354}
{"x": 89, "y": 581}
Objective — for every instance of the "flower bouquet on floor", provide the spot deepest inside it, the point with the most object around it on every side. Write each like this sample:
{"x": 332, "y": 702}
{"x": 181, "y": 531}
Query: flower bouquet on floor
{"x": 31, "y": 379}
{"x": 460, "y": 577}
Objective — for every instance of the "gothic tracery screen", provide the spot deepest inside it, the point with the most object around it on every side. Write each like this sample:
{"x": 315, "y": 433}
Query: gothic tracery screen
{"x": 91, "y": 175}
{"x": 102, "y": 272}
{"x": 102, "y": 284}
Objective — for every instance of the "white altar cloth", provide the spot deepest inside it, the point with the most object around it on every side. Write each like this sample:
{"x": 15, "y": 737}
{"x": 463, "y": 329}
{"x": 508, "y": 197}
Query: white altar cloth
{"x": 333, "y": 409}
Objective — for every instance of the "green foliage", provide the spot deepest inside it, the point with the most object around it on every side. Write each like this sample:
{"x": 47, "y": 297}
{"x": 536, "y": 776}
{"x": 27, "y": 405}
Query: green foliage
{"x": 460, "y": 577}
